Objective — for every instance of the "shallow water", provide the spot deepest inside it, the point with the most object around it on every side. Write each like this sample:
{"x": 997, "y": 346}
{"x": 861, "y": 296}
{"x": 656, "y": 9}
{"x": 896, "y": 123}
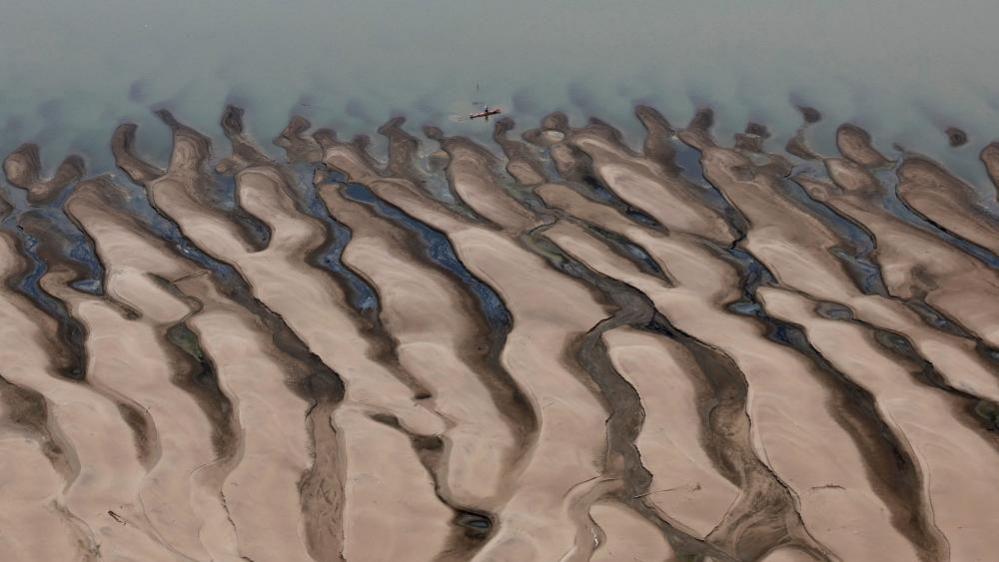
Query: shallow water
{"x": 362, "y": 296}
{"x": 904, "y": 69}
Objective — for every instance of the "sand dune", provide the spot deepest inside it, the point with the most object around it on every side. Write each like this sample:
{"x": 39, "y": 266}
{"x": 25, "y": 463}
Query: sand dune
{"x": 555, "y": 348}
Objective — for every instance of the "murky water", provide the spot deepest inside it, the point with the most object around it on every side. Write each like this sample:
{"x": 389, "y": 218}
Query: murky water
{"x": 72, "y": 70}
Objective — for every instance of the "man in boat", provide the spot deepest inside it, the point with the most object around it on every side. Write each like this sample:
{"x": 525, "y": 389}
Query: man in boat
{"x": 485, "y": 113}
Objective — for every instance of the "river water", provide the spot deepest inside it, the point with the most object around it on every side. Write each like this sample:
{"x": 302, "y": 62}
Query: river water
{"x": 905, "y": 69}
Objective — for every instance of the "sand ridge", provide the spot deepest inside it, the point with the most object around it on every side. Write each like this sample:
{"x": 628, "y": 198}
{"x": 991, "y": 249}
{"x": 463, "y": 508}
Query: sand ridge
{"x": 559, "y": 347}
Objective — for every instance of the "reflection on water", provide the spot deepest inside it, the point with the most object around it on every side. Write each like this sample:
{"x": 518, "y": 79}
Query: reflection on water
{"x": 906, "y": 70}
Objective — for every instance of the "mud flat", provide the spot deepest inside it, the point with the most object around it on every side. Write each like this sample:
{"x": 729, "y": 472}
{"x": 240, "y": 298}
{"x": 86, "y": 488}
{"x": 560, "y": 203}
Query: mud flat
{"x": 559, "y": 347}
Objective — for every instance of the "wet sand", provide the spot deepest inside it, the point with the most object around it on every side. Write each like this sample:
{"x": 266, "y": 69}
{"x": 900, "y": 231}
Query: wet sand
{"x": 557, "y": 347}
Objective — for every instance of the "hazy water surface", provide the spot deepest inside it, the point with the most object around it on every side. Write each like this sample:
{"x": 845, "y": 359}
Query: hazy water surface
{"x": 906, "y": 69}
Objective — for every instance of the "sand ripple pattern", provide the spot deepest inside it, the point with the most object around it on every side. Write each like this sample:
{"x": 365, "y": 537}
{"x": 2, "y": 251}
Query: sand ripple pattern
{"x": 553, "y": 348}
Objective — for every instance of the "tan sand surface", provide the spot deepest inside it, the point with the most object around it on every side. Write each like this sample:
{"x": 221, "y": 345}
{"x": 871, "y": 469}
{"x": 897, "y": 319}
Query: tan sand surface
{"x": 432, "y": 321}
{"x": 990, "y": 158}
{"x": 33, "y": 526}
{"x": 855, "y": 144}
{"x": 793, "y": 243}
{"x": 796, "y": 247}
{"x": 314, "y": 308}
{"x": 249, "y": 373}
{"x": 947, "y": 201}
{"x": 788, "y": 555}
{"x": 169, "y": 494}
{"x": 714, "y": 279}
{"x": 606, "y": 388}
{"x": 962, "y": 498}
{"x": 470, "y": 174}
{"x": 913, "y": 261}
{"x": 108, "y": 474}
{"x": 270, "y": 417}
{"x": 955, "y": 358}
{"x": 809, "y": 452}
{"x": 626, "y": 535}
{"x": 23, "y": 169}
{"x": 548, "y": 311}
{"x": 647, "y": 186}
{"x": 390, "y": 511}
{"x": 686, "y": 487}
{"x": 570, "y": 418}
